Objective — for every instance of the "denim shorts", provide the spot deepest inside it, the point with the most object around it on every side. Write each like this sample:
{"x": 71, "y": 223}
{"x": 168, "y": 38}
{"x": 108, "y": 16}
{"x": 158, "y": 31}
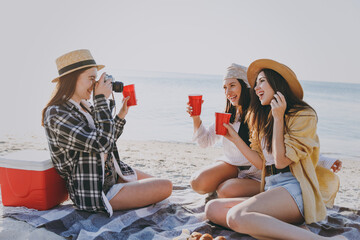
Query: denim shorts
{"x": 289, "y": 182}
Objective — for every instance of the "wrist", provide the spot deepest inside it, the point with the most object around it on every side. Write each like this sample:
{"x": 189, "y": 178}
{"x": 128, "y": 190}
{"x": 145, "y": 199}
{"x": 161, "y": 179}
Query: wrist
{"x": 237, "y": 140}
{"x": 279, "y": 118}
{"x": 121, "y": 115}
{"x": 196, "y": 119}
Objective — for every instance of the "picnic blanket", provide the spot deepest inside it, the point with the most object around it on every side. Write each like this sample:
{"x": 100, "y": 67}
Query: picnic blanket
{"x": 164, "y": 220}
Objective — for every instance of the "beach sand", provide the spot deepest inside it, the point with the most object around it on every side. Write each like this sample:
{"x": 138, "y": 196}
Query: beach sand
{"x": 174, "y": 161}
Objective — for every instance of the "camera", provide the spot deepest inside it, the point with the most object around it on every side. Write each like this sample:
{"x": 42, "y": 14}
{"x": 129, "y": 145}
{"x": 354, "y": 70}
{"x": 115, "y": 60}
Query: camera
{"x": 116, "y": 86}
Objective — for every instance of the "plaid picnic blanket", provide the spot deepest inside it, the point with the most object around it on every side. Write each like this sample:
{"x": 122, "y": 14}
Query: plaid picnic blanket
{"x": 164, "y": 220}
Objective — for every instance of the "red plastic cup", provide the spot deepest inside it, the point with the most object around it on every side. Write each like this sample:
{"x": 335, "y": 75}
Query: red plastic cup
{"x": 129, "y": 90}
{"x": 220, "y": 119}
{"x": 195, "y": 102}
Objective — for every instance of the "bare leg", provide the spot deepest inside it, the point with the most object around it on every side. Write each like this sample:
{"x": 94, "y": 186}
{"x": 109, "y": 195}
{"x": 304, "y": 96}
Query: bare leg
{"x": 217, "y": 209}
{"x": 147, "y": 190}
{"x": 267, "y": 216}
{"x": 141, "y": 193}
{"x": 142, "y": 175}
{"x": 208, "y": 179}
{"x": 238, "y": 187}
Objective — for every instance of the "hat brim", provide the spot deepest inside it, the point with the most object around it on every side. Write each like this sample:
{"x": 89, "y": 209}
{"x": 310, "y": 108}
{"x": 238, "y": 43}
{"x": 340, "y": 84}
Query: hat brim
{"x": 99, "y": 67}
{"x": 257, "y": 66}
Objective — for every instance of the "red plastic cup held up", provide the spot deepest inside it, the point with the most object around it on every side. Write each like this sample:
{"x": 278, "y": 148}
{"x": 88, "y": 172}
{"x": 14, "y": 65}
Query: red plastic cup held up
{"x": 195, "y": 101}
{"x": 129, "y": 90}
{"x": 220, "y": 119}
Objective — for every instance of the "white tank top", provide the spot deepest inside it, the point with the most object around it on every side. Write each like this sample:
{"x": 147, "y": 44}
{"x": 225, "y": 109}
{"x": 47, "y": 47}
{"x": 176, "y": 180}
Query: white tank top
{"x": 269, "y": 158}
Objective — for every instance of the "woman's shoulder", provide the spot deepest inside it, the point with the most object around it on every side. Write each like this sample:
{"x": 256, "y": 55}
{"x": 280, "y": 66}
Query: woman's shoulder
{"x": 302, "y": 119}
{"x": 305, "y": 112}
{"x": 52, "y": 110}
{"x": 57, "y": 110}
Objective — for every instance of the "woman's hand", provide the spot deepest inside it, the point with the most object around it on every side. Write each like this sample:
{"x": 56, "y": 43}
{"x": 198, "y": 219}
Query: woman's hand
{"x": 102, "y": 87}
{"x": 231, "y": 134}
{"x": 189, "y": 109}
{"x": 196, "y": 119}
{"x": 336, "y": 166}
{"x": 278, "y": 106}
{"x": 124, "y": 109}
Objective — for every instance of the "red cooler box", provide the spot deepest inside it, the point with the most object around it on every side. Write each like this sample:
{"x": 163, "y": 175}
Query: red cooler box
{"x": 28, "y": 178}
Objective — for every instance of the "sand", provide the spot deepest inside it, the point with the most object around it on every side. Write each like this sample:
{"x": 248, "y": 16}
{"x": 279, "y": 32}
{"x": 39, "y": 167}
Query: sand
{"x": 171, "y": 160}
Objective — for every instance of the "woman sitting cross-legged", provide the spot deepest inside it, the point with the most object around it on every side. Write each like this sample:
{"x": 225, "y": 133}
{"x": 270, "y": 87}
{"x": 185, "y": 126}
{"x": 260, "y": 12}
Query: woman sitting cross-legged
{"x": 82, "y": 141}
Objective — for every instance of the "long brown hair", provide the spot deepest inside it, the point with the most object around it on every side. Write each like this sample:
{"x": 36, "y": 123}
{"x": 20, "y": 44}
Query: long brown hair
{"x": 260, "y": 118}
{"x": 64, "y": 90}
{"x": 244, "y": 101}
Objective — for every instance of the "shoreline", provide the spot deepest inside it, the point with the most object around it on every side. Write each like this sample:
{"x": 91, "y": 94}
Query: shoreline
{"x": 37, "y": 140}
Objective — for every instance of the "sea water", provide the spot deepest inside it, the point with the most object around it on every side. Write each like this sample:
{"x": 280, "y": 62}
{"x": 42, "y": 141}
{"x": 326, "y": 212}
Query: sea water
{"x": 161, "y": 110}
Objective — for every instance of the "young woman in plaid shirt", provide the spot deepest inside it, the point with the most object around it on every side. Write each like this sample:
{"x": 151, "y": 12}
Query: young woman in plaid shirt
{"x": 82, "y": 141}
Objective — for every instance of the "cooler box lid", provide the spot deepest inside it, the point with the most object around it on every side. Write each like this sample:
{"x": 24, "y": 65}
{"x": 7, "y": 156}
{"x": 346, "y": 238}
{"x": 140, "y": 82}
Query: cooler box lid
{"x": 37, "y": 160}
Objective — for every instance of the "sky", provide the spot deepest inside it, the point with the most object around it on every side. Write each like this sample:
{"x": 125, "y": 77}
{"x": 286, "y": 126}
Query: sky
{"x": 318, "y": 39}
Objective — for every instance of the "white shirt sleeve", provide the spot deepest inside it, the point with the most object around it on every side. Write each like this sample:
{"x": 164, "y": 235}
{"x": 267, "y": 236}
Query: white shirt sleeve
{"x": 206, "y": 137}
{"x": 326, "y": 162}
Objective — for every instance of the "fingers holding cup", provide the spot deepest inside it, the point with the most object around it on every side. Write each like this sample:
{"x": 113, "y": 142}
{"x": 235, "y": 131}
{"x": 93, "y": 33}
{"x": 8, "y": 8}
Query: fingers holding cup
{"x": 189, "y": 109}
{"x": 124, "y": 108}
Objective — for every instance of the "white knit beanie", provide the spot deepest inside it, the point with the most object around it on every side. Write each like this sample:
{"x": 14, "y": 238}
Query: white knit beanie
{"x": 238, "y": 72}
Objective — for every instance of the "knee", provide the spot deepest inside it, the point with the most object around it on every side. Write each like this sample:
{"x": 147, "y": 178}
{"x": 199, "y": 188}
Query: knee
{"x": 166, "y": 187}
{"x": 211, "y": 210}
{"x": 197, "y": 184}
{"x": 238, "y": 219}
{"x": 224, "y": 191}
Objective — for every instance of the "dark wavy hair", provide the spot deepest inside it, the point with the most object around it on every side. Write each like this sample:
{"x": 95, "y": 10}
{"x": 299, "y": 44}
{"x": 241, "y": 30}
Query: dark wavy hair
{"x": 64, "y": 90}
{"x": 244, "y": 102}
{"x": 260, "y": 118}
{"x": 243, "y": 105}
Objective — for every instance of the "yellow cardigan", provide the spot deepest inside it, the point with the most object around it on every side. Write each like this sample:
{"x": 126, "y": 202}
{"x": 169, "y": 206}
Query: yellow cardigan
{"x": 318, "y": 185}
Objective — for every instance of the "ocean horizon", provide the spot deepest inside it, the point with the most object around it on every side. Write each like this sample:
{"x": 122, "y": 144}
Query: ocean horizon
{"x": 161, "y": 111}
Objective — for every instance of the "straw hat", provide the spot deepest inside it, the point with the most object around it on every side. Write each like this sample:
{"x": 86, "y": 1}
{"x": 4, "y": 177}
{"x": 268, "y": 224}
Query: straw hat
{"x": 238, "y": 72}
{"x": 73, "y": 61}
{"x": 258, "y": 65}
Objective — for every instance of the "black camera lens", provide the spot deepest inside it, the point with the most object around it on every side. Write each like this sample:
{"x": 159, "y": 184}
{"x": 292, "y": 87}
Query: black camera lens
{"x": 117, "y": 86}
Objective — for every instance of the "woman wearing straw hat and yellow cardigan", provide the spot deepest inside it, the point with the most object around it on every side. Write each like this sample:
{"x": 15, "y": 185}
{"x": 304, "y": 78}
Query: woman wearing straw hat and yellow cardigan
{"x": 285, "y": 146}
{"x": 82, "y": 141}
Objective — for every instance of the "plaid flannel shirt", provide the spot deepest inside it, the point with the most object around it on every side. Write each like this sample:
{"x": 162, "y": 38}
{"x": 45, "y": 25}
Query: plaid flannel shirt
{"x": 76, "y": 150}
